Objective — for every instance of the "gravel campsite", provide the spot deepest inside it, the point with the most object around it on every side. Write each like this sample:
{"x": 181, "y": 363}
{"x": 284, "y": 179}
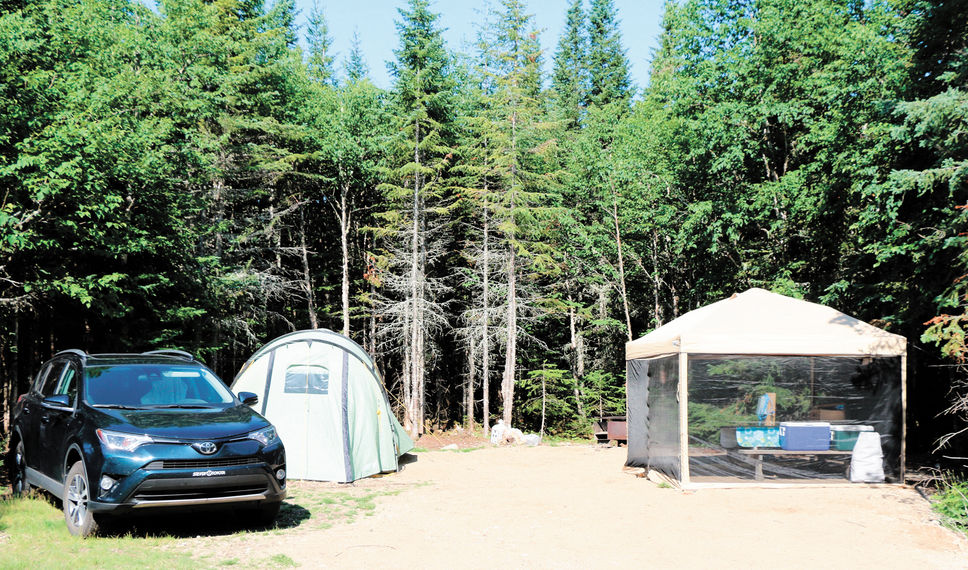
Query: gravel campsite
{"x": 574, "y": 506}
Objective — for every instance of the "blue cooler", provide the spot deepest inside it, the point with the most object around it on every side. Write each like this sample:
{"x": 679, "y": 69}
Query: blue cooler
{"x": 805, "y": 436}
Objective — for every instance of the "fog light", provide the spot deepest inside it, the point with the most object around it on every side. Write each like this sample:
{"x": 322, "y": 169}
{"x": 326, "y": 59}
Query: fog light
{"x": 281, "y": 474}
{"x": 107, "y": 483}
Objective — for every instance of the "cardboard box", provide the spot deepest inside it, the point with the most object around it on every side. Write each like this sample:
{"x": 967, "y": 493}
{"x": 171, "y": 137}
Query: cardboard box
{"x": 827, "y": 413}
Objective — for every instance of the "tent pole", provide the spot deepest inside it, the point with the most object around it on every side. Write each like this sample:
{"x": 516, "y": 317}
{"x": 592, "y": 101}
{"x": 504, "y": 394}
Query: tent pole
{"x": 903, "y": 411}
{"x": 684, "y": 418}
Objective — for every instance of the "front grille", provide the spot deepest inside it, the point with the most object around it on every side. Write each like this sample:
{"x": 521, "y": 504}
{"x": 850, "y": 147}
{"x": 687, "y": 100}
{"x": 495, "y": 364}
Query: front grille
{"x": 185, "y": 488}
{"x": 214, "y": 493}
{"x": 201, "y": 463}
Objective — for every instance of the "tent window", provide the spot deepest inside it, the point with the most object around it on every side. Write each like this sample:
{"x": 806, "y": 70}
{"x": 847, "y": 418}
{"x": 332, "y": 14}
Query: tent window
{"x": 306, "y": 379}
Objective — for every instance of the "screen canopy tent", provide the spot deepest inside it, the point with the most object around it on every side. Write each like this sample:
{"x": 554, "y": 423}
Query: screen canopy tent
{"x": 326, "y": 398}
{"x": 710, "y": 393}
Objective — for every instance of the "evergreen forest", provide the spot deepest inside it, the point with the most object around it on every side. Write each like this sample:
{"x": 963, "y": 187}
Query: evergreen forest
{"x": 498, "y": 222}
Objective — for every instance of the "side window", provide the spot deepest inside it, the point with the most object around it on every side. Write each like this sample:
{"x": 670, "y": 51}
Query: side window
{"x": 68, "y": 383}
{"x": 52, "y": 380}
{"x": 42, "y": 377}
{"x": 307, "y": 379}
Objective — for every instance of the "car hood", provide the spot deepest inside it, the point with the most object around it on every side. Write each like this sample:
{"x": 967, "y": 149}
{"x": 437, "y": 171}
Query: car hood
{"x": 207, "y": 423}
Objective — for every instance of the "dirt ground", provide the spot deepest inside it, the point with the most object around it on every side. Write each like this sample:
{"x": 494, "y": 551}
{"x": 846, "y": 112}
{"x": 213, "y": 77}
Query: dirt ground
{"x": 575, "y": 507}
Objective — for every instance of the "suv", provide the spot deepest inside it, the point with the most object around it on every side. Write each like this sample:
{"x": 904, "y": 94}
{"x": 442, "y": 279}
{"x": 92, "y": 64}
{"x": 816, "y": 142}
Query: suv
{"x": 112, "y": 433}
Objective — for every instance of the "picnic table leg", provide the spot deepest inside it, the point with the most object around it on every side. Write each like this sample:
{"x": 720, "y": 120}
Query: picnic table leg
{"x": 758, "y": 467}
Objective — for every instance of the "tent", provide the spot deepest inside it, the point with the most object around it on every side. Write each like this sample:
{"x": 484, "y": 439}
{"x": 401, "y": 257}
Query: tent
{"x": 709, "y": 393}
{"x": 326, "y": 398}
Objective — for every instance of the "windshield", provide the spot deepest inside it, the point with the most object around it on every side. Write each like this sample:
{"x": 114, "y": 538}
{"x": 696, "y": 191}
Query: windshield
{"x": 153, "y": 385}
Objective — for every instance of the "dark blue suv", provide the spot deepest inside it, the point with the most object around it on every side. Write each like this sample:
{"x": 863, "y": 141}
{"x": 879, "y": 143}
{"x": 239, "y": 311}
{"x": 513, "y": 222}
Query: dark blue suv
{"x": 113, "y": 433}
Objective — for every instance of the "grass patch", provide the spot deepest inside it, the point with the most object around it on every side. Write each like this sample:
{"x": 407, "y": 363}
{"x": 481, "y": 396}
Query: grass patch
{"x": 328, "y": 506}
{"x": 951, "y": 502}
{"x": 282, "y": 561}
{"x": 418, "y": 450}
{"x": 33, "y": 530}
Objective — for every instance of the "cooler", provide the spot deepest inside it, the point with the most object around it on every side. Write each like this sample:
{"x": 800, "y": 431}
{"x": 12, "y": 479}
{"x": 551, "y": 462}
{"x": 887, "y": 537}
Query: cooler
{"x": 843, "y": 437}
{"x": 758, "y": 436}
{"x": 805, "y": 436}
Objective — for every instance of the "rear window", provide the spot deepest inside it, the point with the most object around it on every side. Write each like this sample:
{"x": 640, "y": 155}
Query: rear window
{"x": 153, "y": 385}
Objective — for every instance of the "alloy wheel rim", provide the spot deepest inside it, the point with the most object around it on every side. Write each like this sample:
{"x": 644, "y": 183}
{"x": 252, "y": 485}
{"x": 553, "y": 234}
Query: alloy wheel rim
{"x": 18, "y": 485}
{"x": 77, "y": 500}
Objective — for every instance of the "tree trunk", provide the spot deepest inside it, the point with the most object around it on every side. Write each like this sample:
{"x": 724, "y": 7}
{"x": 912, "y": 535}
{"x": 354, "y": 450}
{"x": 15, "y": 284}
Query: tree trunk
{"x": 657, "y": 309}
{"x": 469, "y": 384}
{"x": 511, "y": 356}
{"x": 307, "y": 278}
{"x": 621, "y": 264}
{"x": 486, "y": 326}
{"x": 544, "y": 400}
{"x": 415, "y": 346}
{"x": 578, "y": 350}
{"x": 344, "y": 234}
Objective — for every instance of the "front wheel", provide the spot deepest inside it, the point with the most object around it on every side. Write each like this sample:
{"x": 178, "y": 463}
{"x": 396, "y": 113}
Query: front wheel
{"x": 77, "y": 496}
{"x": 18, "y": 471}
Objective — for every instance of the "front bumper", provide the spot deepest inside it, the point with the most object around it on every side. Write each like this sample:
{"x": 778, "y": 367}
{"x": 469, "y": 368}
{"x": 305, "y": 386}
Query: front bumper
{"x": 175, "y": 475}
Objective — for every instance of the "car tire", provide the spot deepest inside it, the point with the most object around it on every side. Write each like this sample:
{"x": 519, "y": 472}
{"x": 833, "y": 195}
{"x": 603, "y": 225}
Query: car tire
{"x": 77, "y": 496}
{"x": 18, "y": 470}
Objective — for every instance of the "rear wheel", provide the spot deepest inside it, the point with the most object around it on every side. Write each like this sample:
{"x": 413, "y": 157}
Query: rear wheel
{"x": 18, "y": 470}
{"x": 77, "y": 496}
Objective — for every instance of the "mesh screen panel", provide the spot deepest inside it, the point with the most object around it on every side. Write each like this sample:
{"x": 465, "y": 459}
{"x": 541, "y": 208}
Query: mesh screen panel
{"x": 850, "y": 394}
{"x": 653, "y": 414}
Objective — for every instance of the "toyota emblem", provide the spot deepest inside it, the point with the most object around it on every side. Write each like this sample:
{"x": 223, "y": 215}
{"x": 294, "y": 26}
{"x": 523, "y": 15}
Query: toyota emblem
{"x": 206, "y": 448}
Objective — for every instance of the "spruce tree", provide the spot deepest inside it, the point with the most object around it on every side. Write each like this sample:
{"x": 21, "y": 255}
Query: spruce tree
{"x": 570, "y": 78}
{"x": 355, "y": 64}
{"x": 414, "y": 186}
{"x": 320, "y": 62}
{"x": 519, "y": 198}
{"x": 607, "y": 63}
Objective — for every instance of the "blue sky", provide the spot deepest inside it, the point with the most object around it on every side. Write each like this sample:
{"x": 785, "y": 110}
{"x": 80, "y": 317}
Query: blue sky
{"x": 374, "y": 21}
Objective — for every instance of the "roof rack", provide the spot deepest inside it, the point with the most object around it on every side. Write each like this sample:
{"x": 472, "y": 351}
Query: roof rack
{"x": 171, "y": 352}
{"x": 74, "y": 351}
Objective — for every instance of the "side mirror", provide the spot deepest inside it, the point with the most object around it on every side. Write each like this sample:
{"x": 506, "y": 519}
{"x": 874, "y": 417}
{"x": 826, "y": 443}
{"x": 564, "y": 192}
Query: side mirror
{"x": 59, "y": 401}
{"x": 249, "y": 398}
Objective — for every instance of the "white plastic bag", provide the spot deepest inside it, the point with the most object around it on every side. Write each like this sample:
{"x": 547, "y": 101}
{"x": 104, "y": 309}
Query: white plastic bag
{"x": 497, "y": 432}
{"x": 867, "y": 459}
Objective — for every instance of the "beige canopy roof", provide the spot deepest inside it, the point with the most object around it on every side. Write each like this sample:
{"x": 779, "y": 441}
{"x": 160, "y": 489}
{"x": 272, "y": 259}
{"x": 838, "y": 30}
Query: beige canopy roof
{"x": 760, "y": 322}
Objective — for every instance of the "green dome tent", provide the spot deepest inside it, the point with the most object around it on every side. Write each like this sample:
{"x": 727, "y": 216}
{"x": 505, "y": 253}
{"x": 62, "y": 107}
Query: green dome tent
{"x": 326, "y": 398}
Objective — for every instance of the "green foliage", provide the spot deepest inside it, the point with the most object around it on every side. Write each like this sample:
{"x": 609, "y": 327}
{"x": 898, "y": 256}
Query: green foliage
{"x": 951, "y": 502}
{"x": 184, "y": 176}
{"x": 705, "y": 420}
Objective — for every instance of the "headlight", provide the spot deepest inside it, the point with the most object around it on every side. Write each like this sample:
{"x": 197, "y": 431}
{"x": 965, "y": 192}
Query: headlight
{"x": 122, "y": 441}
{"x": 265, "y": 436}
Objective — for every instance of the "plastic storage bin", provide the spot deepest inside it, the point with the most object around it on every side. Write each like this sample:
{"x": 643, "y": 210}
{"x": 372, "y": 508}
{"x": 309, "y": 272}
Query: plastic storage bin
{"x": 758, "y": 436}
{"x": 805, "y": 436}
{"x": 845, "y": 436}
